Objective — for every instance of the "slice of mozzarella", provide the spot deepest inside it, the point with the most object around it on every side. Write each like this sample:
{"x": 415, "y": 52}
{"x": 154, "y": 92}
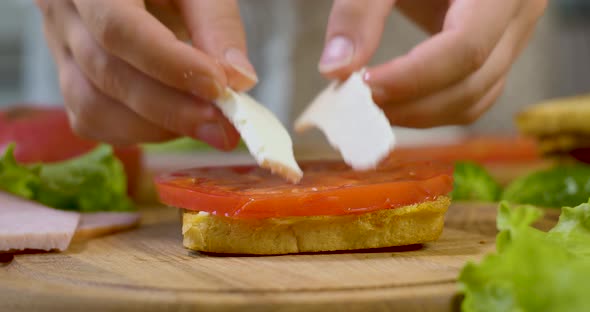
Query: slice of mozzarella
{"x": 351, "y": 121}
{"x": 266, "y": 138}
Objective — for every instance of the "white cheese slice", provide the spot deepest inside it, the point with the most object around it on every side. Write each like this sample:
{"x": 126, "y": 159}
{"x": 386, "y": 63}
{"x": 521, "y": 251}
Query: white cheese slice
{"x": 351, "y": 121}
{"x": 266, "y": 138}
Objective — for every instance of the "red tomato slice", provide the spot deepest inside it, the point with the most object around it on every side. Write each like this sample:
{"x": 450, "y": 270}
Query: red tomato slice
{"x": 327, "y": 189}
{"x": 43, "y": 134}
{"x": 479, "y": 149}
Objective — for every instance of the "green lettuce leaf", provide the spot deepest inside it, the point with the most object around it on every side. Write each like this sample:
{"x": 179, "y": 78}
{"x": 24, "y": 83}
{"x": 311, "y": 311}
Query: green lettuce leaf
{"x": 17, "y": 179}
{"x": 565, "y": 185}
{"x": 473, "y": 183}
{"x": 532, "y": 270}
{"x": 92, "y": 182}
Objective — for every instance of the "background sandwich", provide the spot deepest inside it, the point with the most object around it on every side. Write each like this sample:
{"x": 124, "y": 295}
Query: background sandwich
{"x": 247, "y": 210}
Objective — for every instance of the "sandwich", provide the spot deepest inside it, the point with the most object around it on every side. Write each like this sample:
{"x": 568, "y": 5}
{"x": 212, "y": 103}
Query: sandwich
{"x": 247, "y": 210}
{"x": 560, "y": 130}
{"x": 282, "y": 207}
{"x": 560, "y": 126}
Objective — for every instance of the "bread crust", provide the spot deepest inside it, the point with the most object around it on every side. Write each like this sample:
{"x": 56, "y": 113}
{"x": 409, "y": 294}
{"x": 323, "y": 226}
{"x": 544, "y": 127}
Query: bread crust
{"x": 414, "y": 224}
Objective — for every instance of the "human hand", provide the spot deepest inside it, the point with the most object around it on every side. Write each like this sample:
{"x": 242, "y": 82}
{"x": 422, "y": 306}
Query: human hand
{"x": 451, "y": 78}
{"x": 126, "y": 78}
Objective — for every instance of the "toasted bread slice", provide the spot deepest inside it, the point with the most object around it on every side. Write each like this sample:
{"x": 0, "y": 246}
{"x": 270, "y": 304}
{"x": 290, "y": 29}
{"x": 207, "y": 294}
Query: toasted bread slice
{"x": 557, "y": 144}
{"x": 407, "y": 225}
{"x": 557, "y": 116}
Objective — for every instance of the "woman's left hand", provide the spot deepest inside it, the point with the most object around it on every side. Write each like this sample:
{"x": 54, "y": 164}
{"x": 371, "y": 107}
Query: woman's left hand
{"x": 451, "y": 78}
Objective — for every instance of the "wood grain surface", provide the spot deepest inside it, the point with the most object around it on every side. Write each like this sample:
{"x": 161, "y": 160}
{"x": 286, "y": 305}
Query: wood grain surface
{"x": 147, "y": 269}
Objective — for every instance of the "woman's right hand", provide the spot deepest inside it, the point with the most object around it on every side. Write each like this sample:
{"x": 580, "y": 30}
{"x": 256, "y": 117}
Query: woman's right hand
{"x": 126, "y": 78}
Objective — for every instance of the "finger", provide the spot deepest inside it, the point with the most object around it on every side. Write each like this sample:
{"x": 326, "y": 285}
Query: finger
{"x": 428, "y": 14}
{"x": 48, "y": 9}
{"x": 52, "y": 29}
{"x": 353, "y": 35}
{"x": 216, "y": 28}
{"x": 95, "y": 116}
{"x": 461, "y": 49}
{"x": 528, "y": 17}
{"x": 485, "y": 103}
{"x": 57, "y": 48}
{"x": 126, "y": 30}
{"x": 163, "y": 106}
{"x": 435, "y": 117}
{"x": 168, "y": 14}
{"x": 453, "y": 105}
{"x": 523, "y": 28}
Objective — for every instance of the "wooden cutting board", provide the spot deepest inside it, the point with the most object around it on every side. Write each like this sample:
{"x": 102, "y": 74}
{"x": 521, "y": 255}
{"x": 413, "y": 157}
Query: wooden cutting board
{"x": 147, "y": 269}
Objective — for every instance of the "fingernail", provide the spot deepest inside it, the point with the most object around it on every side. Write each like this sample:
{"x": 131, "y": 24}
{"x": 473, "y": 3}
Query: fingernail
{"x": 207, "y": 89}
{"x": 238, "y": 60}
{"x": 213, "y": 134}
{"x": 338, "y": 53}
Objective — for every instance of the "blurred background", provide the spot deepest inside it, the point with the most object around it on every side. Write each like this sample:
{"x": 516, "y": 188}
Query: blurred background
{"x": 285, "y": 40}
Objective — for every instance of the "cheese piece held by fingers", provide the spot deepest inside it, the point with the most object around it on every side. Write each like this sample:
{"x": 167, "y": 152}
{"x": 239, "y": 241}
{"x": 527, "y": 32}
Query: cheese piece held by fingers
{"x": 266, "y": 138}
{"x": 351, "y": 121}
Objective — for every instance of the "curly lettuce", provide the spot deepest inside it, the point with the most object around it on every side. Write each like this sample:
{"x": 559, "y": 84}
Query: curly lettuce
{"x": 564, "y": 185}
{"x": 92, "y": 182}
{"x": 18, "y": 179}
{"x": 473, "y": 183}
{"x": 532, "y": 270}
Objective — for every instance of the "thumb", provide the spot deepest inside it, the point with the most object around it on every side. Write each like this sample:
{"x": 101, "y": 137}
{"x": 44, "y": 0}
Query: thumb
{"x": 216, "y": 28}
{"x": 353, "y": 34}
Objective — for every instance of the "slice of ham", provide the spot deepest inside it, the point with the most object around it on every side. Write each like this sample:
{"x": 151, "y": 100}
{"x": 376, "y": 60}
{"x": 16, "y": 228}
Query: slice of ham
{"x": 103, "y": 223}
{"x": 28, "y": 225}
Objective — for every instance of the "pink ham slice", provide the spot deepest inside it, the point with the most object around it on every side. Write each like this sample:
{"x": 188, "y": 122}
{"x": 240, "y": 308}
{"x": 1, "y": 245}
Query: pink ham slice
{"x": 27, "y": 225}
{"x": 103, "y": 223}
